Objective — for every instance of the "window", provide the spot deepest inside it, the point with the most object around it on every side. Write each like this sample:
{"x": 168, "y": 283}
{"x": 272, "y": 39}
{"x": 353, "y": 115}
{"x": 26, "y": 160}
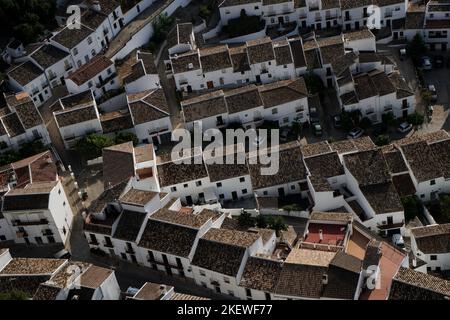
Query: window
{"x": 248, "y": 292}
{"x": 79, "y": 63}
{"x": 274, "y": 111}
{"x": 286, "y": 120}
{"x": 265, "y": 193}
{"x": 226, "y": 280}
{"x": 219, "y": 184}
{"x": 433, "y": 257}
{"x": 422, "y": 196}
{"x": 242, "y": 179}
{"x": 201, "y": 195}
{"x": 230, "y": 293}
{"x": 59, "y": 191}
{"x": 89, "y": 40}
{"x": 64, "y": 230}
{"x": 185, "y": 185}
{"x": 431, "y": 15}
{"x": 221, "y": 196}
{"x": 93, "y": 53}
{"x": 173, "y": 189}
{"x": 438, "y": 269}
{"x": 256, "y": 7}
{"x": 64, "y": 204}
{"x": 109, "y": 71}
{"x": 75, "y": 51}
{"x": 267, "y": 296}
{"x": 244, "y": 191}
{"x": 204, "y": 285}
{"x": 432, "y": 182}
{"x": 198, "y": 183}
{"x": 293, "y": 187}
{"x": 90, "y": 84}
{"x": 202, "y": 273}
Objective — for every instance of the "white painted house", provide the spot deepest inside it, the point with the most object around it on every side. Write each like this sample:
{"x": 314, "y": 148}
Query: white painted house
{"x": 144, "y": 75}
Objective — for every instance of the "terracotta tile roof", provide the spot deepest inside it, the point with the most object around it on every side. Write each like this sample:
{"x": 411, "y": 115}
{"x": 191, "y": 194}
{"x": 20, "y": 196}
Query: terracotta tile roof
{"x": 331, "y": 216}
{"x": 260, "y": 50}
{"x": 129, "y": 225}
{"x": 281, "y": 92}
{"x": 395, "y": 161}
{"x": 261, "y": 274}
{"x": 289, "y": 157}
{"x": 414, "y": 20}
{"x": 90, "y": 70}
{"x": 231, "y": 3}
{"x": 182, "y": 296}
{"x": 243, "y": 98}
{"x": 441, "y": 152}
{"x": 283, "y": 54}
{"x": 368, "y": 167}
{"x": 168, "y": 238}
{"x": 351, "y": 4}
{"x": 138, "y": 197}
{"x": 25, "y": 73}
{"x": 364, "y": 86}
{"x": 383, "y": 197}
{"x": 223, "y": 171}
{"x": 223, "y": 250}
{"x": 343, "y": 146}
{"x": 181, "y": 63}
{"x": 12, "y": 124}
{"x": 323, "y": 167}
{"x": 191, "y": 220}
{"x": 118, "y": 164}
{"x": 298, "y": 280}
{"x": 437, "y": 24}
{"x": 107, "y": 196}
{"x": 413, "y": 285}
{"x": 401, "y": 86}
{"x": 381, "y": 81}
{"x": 434, "y": 239}
{"x": 358, "y": 34}
{"x": 48, "y": 55}
{"x": 215, "y": 58}
{"x": 143, "y": 153}
{"x": 94, "y": 277}
{"x": 310, "y": 257}
{"x": 423, "y": 162}
{"x": 23, "y": 202}
{"x": 404, "y": 185}
{"x": 32, "y": 266}
{"x": 239, "y": 58}
{"x": 116, "y": 121}
{"x": 297, "y": 53}
{"x": 204, "y": 106}
{"x": 181, "y": 34}
{"x": 46, "y": 292}
{"x": 70, "y": 38}
{"x": 75, "y": 109}
{"x": 170, "y": 173}
{"x": 315, "y": 149}
{"x": 364, "y": 143}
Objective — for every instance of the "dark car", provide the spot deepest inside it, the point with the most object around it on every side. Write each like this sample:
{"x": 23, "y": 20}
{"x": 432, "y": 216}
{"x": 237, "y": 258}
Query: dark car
{"x": 337, "y": 121}
{"x": 438, "y": 61}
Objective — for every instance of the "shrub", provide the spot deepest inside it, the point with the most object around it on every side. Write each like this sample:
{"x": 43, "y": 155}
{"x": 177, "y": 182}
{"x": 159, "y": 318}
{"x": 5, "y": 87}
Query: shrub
{"x": 416, "y": 119}
{"x": 14, "y": 294}
{"x": 125, "y": 137}
{"x": 388, "y": 119}
{"x": 412, "y": 207}
{"x": 91, "y": 146}
{"x": 365, "y": 123}
{"x": 382, "y": 140}
{"x": 246, "y": 220}
{"x": 261, "y": 221}
{"x": 244, "y": 25}
{"x": 313, "y": 83}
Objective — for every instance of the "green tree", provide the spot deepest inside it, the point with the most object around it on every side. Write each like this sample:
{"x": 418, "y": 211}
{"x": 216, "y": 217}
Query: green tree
{"x": 29, "y": 149}
{"x": 125, "y": 137}
{"x": 91, "y": 146}
{"x": 365, "y": 123}
{"x": 444, "y": 202}
{"x": 416, "y": 119}
{"x": 277, "y": 224}
{"x": 411, "y": 206}
{"x": 426, "y": 97}
{"x": 388, "y": 119}
{"x": 14, "y": 294}
{"x": 416, "y": 48}
{"x": 313, "y": 83}
{"x": 382, "y": 140}
{"x": 261, "y": 221}
{"x": 246, "y": 220}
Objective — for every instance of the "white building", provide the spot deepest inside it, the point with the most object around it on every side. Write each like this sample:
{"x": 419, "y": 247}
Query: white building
{"x": 76, "y": 116}
{"x": 21, "y": 122}
{"x": 99, "y": 75}
{"x": 144, "y": 75}
{"x": 150, "y": 115}
{"x": 431, "y": 244}
{"x": 36, "y": 207}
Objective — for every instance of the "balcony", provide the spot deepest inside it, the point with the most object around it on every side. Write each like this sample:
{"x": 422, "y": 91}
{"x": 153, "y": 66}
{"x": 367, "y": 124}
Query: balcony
{"x": 391, "y": 225}
{"x": 164, "y": 264}
{"x": 107, "y": 80}
{"x": 388, "y": 15}
{"x": 263, "y": 71}
{"x": 29, "y": 223}
{"x": 108, "y": 245}
{"x": 68, "y": 67}
{"x": 437, "y": 36}
{"x": 130, "y": 251}
{"x": 318, "y": 18}
{"x": 331, "y": 17}
{"x": 93, "y": 242}
{"x": 52, "y": 77}
{"x": 34, "y": 92}
{"x": 348, "y": 18}
{"x": 313, "y": 8}
{"x": 157, "y": 130}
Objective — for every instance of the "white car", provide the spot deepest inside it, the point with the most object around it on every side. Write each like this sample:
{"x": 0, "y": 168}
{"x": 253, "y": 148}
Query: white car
{"x": 355, "y": 133}
{"x": 404, "y": 127}
{"x": 432, "y": 90}
{"x": 426, "y": 63}
{"x": 397, "y": 240}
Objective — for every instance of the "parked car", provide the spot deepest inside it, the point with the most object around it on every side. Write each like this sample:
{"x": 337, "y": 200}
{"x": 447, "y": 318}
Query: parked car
{"x": 448, "y": 63}
{"x": 63, "y": 254}
{"x": 438, "y": 61}
{"x": 380, "y": 130}
{"x": 433, "y": 91}
{"x": 317, "y": 130}
{"x": 404, "y": 127}
{"x": 284, "y": 134}
{"x": 426, "y": 63}
{"x": 402, "y": 54}
{"x": 355, "y": 133}
{"x": 337, "y": 121}
{"x": 430, "y": 109}
{"x": 397, "y": 239}
{"x": 313, "y": 115}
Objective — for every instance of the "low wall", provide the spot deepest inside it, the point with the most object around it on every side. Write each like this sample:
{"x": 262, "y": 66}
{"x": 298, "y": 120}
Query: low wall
{"x": 280, "y": 212}
{"x": 247, "y": 37}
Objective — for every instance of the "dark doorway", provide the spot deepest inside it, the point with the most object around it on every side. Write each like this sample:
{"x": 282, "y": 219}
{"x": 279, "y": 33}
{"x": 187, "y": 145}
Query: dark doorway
{"x": 218, "y": 289}
{"x": 390, "y": 220}
{"x": 39, "y": 240}
{"x": 281, "y": 193}
{"x": 280, "y": 20}
{"x": 189, "y": 89}
{"x": 189, "y": 200}
{"x": 234, "y": 195}
{"x": 41, "y": 98}
{"x": 329, "y": 83}
{"x": 405, "y": 113}
{"x": 328, "y": 24}
{"x": 357, "y": 25}
{"x": 258, "y": 78}
{"x": 210, "y": 84}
